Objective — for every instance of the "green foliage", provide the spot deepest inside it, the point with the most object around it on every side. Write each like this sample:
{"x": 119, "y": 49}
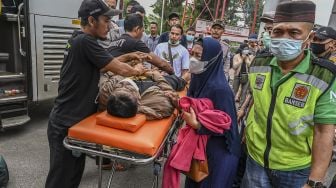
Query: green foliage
{"x": 237, "y": 13}
{"x": 170, "y": 6}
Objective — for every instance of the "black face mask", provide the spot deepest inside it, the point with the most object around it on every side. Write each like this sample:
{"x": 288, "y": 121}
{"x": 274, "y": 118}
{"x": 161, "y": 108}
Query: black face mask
{"x": 317, "y": 48}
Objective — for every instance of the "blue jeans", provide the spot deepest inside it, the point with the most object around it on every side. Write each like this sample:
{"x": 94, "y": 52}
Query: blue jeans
{"x": 257, "y": 176}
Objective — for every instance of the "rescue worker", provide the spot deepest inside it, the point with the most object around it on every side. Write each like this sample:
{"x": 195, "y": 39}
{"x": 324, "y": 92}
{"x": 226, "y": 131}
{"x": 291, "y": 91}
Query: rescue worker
{"x": 84, "y": 59}
{"x": 324, "y": 43}
{"x": 290, "y": 126}
{"x": 324, "y": 46}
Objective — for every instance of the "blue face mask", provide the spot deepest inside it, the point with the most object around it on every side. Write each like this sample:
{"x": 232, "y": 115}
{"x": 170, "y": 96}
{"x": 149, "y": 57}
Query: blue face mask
{"x": 266, "y": 40}
{"x": 286, "y": 49}
{"x": 190, "y": 38}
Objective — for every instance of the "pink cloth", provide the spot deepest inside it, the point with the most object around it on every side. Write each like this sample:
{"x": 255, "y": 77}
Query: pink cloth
{"x": 189, "y": 144}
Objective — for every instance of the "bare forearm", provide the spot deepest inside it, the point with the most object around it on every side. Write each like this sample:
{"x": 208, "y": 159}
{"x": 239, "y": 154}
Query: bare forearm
{"x": 120, "y": 68}
{"x": 160, "y": 63}
{"x": 322, "y": 150}
{"x": 246, "y": 102}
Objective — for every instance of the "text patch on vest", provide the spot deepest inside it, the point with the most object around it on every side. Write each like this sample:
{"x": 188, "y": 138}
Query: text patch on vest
{"x": 259, "y": 82}
{"x": 299, "y": 96}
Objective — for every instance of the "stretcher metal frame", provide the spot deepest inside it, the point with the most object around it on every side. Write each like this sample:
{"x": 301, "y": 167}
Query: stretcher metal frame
{"x": 102, "y": 151}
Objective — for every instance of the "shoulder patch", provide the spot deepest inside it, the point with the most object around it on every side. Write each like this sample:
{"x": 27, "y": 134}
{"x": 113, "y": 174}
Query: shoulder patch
{"x": 326, "y": 64}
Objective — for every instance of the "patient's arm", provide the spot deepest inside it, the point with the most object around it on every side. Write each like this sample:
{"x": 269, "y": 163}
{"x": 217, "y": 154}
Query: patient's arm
{"x": 160, "y": 63}
{"x": 128, "y": 58}
{"x": 151, "y": 58}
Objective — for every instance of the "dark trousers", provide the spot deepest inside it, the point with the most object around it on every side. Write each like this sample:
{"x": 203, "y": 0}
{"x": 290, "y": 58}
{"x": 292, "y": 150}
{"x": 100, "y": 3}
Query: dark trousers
{"x": 66, "y": 170}
{"x": 258, "y": 176}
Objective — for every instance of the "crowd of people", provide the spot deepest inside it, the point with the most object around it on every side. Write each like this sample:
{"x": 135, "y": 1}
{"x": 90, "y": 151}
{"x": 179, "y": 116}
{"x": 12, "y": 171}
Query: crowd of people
{"x": 277, "y": 91}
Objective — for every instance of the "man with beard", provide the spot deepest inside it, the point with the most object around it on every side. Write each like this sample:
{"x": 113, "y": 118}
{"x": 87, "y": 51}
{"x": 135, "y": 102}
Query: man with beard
{"x": 174, "y": 52}
{"x": 84, "y": 60}
{"x": 173, "y": 19}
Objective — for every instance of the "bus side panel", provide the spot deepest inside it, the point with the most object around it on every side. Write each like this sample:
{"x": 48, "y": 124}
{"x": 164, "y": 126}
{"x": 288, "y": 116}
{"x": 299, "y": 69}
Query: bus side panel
{"x": 51, "y": 36}
{"x": 33, "y": 90}
{"x": 59, "y": 8}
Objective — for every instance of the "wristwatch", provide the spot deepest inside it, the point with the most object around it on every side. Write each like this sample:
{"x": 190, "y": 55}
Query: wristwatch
{"x": 315, "y": 184}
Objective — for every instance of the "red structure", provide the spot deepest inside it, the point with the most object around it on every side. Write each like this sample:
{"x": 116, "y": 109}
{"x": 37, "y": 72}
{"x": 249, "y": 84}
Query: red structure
{"x": 255, "y": 14}
{"x": 219, "y": 7}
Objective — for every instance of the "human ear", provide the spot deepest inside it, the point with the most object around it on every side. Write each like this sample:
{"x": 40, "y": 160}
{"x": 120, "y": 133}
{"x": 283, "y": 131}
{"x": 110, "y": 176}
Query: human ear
{"x": 91, "y": 21}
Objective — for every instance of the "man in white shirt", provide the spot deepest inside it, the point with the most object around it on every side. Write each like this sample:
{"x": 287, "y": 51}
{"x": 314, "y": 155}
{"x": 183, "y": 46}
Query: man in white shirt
{"x": 174, "y": 52}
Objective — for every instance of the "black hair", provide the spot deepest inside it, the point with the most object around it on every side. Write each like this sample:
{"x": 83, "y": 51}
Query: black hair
{"x": 173, "y": 15}
{"x": 132, "y": 21}
{"x": 191, "y": 29}
{"x": 241, "y": 48}
{"x": 122, "y": 105}
{"x": 138, "y": 8}
{"x": 179, "y": 27}
{"x": 154, "y": 23}
{"x": 132, "y": 3}
{"x": 85, "y": 21}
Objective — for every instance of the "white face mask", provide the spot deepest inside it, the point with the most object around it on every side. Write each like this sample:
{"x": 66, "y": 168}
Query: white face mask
{"x": 197, "y": 66}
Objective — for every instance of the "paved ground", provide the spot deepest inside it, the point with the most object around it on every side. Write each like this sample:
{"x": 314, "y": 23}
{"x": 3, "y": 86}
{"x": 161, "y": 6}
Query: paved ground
{"x": 26, "y": 150}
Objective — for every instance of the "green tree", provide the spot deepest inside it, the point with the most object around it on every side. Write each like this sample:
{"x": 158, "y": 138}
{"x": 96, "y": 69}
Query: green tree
{"x": 237, "y": 12}
{"x": 170, "y": 6}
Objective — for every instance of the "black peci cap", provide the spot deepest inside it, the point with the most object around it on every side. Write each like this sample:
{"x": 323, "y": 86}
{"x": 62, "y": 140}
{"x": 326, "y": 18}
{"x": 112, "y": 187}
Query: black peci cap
{"x": 295, "y": 11}
{"x": 96, "y": 8}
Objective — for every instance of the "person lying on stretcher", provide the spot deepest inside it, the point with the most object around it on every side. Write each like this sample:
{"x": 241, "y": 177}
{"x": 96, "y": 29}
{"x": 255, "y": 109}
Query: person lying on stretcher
{"x": 153, "y": 94}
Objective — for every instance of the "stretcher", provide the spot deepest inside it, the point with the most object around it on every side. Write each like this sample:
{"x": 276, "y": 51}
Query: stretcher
{"x": 149, "y": 144}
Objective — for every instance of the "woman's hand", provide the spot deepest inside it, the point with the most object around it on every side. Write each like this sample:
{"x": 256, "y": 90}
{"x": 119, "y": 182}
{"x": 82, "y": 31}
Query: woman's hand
{"x": 190, "y": 119}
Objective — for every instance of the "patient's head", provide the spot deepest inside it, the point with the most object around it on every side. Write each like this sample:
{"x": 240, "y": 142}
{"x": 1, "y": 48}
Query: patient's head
{"x": 122, "y": 104}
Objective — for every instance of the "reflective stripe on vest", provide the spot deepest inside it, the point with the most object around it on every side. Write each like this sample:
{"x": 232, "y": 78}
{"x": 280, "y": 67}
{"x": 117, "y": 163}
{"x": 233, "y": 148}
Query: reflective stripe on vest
{"x": 279, "y": 129}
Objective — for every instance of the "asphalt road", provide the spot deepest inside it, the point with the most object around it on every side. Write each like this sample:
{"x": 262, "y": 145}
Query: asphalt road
{"x": 26, "y": 151}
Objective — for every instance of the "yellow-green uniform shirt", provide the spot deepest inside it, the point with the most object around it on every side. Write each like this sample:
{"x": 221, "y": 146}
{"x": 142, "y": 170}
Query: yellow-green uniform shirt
{"x": 325, "y": 111}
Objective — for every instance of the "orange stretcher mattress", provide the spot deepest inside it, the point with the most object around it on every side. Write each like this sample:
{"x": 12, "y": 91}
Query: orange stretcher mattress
{"x": 146, "y": 140}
